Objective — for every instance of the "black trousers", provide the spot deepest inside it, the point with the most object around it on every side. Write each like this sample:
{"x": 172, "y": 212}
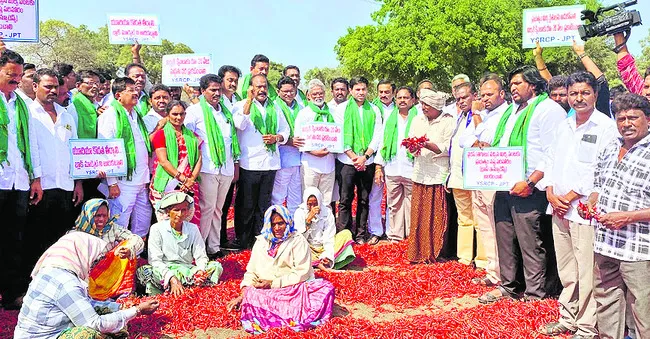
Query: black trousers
{"x": 224, "y": 215}
{"x": 47, "y": 221}
{"x": 15, "y": 275}
{"x": 519, "y": 235}
{"x": 349, "y": 178}
{"x": 252, "y": 201}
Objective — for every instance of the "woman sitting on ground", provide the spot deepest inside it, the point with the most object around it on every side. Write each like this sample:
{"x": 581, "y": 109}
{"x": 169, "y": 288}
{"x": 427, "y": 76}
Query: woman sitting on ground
{"x": 315, "y": 222}
{"x": 279, "y": 289}
{"x": 173, "y": 245}
{"x": 113, "y": 275}
{"x": 57, "y": 304}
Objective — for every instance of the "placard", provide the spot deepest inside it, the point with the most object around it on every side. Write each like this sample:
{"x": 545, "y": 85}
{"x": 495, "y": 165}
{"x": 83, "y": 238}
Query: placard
{"x": 125, "y": 29}
{"x": 181, "y": 69}
{"x": 552, "y": 26}
{"x": 89, "y": 156}
{"x": 19, "y": 20}
{"x": 493, "y": 168}
{"x": 322, "y": 135}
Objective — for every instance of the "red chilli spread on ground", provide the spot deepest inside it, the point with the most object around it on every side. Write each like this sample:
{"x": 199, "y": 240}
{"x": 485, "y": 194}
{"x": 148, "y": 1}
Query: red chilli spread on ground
{"x": 380, "y": 278}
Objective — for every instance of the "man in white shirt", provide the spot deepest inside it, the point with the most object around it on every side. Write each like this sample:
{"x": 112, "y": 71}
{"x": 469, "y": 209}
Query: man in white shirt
{"x": 340, "y": 88}
{"x": 20, "y": 182}
{"x": 385, "y": 101}
{"x": 395, "y": 165}
{"x": 230, "y": 79}
{"x": 288, "y": 184}
{"x": 519, "y": 213}
{"x": 159, "y": 97}
{"x": 26, "y": 85}
{"x": 260, "y": 64}
{"x": 480, "y": 134}
{"x": 570, "y": 165}
{"x": 138, "y": 73}
{"x": 55, "y": 214}
{"x": 83, "y": 103}
{"x": 293, "y": 72}
{"x": 356, "y": 163}
{"x": 259, "y": 137}
{"x": 464, "y": 94}
{"x": 452, "y": 108}
{"x": 217, "y": 171}
{"x": 67, "y": 73}
{"x": 318, "y": 166}
{"x": 129, "y": 196}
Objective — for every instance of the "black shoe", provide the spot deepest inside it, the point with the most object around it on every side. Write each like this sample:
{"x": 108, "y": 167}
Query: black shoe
{"x": 232, "y": 246}
{"x": 374, "y": 240}
{"x": 217, "y": 255}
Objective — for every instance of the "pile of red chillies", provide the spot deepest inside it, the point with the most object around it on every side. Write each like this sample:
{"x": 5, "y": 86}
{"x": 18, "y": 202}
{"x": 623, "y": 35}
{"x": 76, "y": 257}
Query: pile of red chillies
{"x": 381, "y": 275}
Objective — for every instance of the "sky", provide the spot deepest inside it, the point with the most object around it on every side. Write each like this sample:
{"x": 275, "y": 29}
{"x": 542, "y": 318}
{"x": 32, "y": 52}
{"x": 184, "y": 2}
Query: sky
{"x": 299, "y": 32}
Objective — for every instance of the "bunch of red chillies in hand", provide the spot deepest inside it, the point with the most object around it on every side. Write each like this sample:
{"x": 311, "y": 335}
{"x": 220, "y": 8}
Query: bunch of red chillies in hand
{"x": 589, "y": 212}
{"x": 415, "y": 144}
{"x": 200, "y": 277}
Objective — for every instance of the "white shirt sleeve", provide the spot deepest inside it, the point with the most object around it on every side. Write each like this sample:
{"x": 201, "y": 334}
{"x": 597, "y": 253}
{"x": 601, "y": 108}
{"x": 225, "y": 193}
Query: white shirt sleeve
{"x": 33, "y": 147}
{"x": 377, "y": 135}
{"x": 283, "y": 126}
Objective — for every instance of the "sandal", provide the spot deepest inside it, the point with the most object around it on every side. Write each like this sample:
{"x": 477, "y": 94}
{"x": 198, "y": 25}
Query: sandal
{"x": 484, "y": 281}
{"x": 553, "y": 329}
{"x": 489, "y": 298}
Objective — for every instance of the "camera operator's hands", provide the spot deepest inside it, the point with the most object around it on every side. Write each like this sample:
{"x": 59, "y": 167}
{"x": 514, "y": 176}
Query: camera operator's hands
{"x": 620, "y": 41}
{"x": 578, "y": 49}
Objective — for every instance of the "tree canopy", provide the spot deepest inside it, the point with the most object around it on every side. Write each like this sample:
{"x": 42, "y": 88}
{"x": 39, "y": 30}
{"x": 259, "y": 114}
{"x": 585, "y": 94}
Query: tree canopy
{"x": 435, "y": 39}
{"x": 88, "y": 49}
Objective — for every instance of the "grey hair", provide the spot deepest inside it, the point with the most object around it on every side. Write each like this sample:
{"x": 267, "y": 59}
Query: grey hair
{"x": 462, "y": 76}
{"x": 315, "y": 82}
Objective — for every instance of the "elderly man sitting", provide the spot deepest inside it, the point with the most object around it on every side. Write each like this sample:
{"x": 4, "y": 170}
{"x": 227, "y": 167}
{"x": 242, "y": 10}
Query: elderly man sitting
{"x": 174, "y": 244}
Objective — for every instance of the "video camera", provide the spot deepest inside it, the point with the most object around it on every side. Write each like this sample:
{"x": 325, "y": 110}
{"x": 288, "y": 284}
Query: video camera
{"x": 621, "y": 21}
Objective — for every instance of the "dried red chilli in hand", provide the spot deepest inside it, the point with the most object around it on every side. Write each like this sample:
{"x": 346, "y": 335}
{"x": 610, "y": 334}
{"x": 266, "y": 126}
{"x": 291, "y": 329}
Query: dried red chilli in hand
{"x": 589, "y": 212}
{"x": 415, "y": 144}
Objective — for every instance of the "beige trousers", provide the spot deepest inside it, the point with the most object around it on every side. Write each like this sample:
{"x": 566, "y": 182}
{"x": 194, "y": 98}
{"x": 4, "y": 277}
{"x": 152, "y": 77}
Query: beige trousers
{"x": 574, "y": 250}
{"x": 398, "y": 199}
{"x": 483, "y": 211}
{"x": 466, "y": 228}
{"x": 324, "y": 182}
{"x": 213, "y": 188}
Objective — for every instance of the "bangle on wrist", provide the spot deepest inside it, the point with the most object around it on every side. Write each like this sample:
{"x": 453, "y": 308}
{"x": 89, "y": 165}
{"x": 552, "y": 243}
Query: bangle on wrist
{"x": 137, "y": 310}
{"x": 582, "y": 56}
{"x": 542, "y": 69}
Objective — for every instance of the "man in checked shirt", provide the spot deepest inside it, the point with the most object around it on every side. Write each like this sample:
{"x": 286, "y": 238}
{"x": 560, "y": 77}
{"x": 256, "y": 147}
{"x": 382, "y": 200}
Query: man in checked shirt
{"x": 622, "y": 236}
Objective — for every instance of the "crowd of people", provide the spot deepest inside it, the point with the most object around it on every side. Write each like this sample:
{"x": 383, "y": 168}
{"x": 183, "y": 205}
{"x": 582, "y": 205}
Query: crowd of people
{"x": 577, "y": 226}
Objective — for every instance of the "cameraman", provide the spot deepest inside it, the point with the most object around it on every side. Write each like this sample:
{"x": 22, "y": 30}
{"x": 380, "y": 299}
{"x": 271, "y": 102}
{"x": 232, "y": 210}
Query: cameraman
{"x": 627, "y": 69}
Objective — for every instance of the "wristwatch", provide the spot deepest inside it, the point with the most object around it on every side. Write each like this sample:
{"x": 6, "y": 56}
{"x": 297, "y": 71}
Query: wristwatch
{"x": 530, "y": 183}
{"x": 367, "y": 156}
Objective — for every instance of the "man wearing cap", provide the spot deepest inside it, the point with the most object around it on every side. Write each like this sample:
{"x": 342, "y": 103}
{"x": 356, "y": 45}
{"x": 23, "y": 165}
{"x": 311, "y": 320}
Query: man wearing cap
{"x": 430, "y": 168}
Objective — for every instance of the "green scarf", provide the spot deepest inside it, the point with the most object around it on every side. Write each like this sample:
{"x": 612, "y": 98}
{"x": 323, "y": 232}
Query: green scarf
{"x": 389, "y": 150}
{"x": 268, "y": 125}
{"x": 322, "y": 114}
{"x": 302, "y": 97}
{"x": 124, "y": 132}
{"x": 380, "y": 105}
{"x": 289, "y": 113}
{"x": 519, "y": 134}
{"x": 161, "y": 177}
{"x": 357, "y": 134}
{"x": 143, "y": 106}
{"x": 22, "y": 134}
{"x": 87, "y": 116}
{"x": 246, "y": 82}
{"x": 215, "y": 138}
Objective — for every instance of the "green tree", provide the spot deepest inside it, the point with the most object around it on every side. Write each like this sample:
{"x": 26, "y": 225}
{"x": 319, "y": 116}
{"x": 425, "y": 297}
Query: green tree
{"x": 436, "y": 39}
{"x": 88, "y": 49}
{"x": 275, "y": 73}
